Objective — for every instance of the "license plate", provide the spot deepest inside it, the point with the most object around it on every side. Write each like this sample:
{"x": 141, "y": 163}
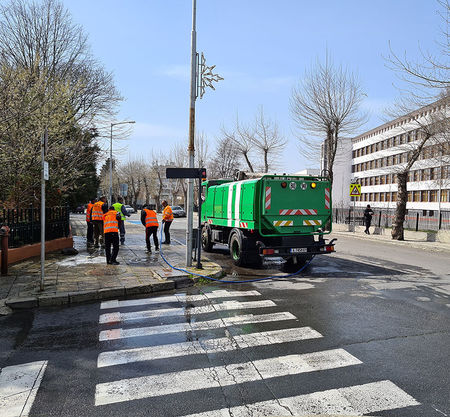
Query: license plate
{"x": 299, "y": 250}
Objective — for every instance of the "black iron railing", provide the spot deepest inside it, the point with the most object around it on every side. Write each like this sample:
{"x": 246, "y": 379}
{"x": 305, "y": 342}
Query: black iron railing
{"x": 424, "y": 220}
{"x": 25, "y": 224}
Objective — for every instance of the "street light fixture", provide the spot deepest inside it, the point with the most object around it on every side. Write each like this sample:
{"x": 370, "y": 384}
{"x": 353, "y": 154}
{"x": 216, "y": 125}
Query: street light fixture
{"x": 110, "y": 156}
{"x": 202, "y": 76}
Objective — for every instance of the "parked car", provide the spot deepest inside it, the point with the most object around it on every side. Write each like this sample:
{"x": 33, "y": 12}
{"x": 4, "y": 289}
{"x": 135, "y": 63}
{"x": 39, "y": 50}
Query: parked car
{"x": 129, "y": 209}
{"x": 178, "y": 211}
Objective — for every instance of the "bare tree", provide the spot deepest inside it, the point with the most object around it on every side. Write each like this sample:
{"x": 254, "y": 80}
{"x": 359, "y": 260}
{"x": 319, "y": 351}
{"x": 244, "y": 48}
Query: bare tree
{"x": 133, "y": 173}
{"x": 42, "y": 37}
{"x": 267, "y": 140}
{"x": 424, "y": 81}
{"x": 430, "y": 73}
{"x": 225, "y": 162}
{"x": 326, "y": 105}
{"x": 241, "y": 136}
{"x": 180, "y": 159}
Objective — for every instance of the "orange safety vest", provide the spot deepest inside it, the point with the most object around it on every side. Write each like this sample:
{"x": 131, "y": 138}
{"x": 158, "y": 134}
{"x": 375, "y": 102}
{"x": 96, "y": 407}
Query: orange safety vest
{"x": 97, "y": 212}
{"x": 150, "y": 218}
{"x": 88, "y": 212}
{"x": 110, "y": 222}
{"x": 167, "y": 214}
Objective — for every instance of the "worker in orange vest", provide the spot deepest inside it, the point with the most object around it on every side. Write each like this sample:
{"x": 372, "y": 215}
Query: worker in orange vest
{"x": 167, "y": 221}
{"x": 111, "y": 231}
{"x": 150, "y": 221}
{"x": 96, "y": 216}
{"x": 90, "y": 226}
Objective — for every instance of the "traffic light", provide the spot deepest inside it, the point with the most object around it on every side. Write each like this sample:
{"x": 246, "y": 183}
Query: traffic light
{"x": 203, "y": 174}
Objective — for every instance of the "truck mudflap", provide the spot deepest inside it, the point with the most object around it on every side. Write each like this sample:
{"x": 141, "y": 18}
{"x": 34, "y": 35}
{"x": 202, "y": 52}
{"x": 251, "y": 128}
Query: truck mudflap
{"x": 316, "y": 248}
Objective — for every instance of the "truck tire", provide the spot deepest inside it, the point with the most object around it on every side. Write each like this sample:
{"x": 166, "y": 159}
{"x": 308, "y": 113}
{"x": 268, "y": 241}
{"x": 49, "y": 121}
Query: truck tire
{"x": 207, "y": 244}
{"x": 237, "y": 252}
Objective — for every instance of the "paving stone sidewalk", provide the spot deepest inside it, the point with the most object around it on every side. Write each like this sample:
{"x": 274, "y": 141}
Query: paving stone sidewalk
{"x": 87, "y": 277}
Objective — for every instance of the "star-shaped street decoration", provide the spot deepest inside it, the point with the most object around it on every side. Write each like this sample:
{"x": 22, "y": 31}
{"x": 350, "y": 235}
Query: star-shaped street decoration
{"x": 206, "y": 76}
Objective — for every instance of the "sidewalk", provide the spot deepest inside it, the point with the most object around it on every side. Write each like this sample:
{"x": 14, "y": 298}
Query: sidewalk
{"x": 86, "y": 276}
{"x": 416, "y": 240}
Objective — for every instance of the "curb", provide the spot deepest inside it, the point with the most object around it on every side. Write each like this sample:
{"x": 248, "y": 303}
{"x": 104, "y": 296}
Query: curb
{"x": 81, "y": 297}
{"x": 417, "y": 244}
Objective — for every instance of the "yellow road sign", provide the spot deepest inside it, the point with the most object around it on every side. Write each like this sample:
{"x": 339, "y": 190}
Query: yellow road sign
{"x": 355, "y": 190}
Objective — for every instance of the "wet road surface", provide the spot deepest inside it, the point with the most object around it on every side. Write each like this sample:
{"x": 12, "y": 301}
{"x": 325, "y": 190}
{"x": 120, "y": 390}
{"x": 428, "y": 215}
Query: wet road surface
{"x": 353, "y": 335}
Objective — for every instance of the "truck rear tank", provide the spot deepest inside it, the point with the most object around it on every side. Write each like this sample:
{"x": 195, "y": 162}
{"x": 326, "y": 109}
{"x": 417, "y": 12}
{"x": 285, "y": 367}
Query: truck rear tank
{"x": 275, "y": 215}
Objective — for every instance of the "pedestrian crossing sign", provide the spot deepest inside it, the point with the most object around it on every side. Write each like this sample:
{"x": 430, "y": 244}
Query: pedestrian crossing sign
{"x": 355, "y": 190}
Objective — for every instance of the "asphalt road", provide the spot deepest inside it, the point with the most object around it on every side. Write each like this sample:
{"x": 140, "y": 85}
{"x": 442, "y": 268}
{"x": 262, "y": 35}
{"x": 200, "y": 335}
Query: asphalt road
{"x": 362, "y": 331}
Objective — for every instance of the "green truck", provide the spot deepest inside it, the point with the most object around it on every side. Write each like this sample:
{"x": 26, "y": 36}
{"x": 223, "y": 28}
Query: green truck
{"x": 271, "y": 216}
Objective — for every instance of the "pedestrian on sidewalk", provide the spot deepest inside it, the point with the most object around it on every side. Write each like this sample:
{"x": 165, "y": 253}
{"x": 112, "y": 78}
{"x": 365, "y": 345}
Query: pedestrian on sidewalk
{"x": 90, "y": 225}
{"x": 120, "y": 208}
{"x": 167, "y": 221}
{"x": 111, "y": 231}
{"x": 97, "y": 212}
{"x": 368, "y": 213}
{"x": 150, "y": 221}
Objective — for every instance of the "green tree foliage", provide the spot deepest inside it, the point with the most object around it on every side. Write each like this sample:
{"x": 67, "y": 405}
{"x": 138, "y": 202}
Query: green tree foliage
{"x": 49, "y": 82}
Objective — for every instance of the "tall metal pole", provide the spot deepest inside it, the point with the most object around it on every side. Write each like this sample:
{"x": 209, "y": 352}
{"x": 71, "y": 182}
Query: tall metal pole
{"x": 190, "y": 194}
{"x": 110, "y": 169}
{"x": 43, "y": 146}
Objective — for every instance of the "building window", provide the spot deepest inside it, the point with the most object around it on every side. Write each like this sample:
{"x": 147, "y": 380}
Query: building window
{"x": 445, "y": 194}
{"x": 416, "y": 196}
{"x": 432, "y": 174}
{"x": 382, "y": 196}
{"x": 410, "y": 196}
{"x": 433, "y": 196}
{"x": 393, "y": 196}
{"x": 424, "y": 196}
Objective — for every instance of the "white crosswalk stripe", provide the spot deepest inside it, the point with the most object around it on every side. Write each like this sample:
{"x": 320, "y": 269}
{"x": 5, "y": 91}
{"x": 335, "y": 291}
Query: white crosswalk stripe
{"x": 18, "y": 388}
{"x": 219, "y": 376}
{"x": 118, "y": 317}
{"x": 198, "y": 325}
{"x": 223, "y": 344}
{"x": 353, "y": 400}
{"x": 349, "y": 401}
{"x": 177, "y": 298}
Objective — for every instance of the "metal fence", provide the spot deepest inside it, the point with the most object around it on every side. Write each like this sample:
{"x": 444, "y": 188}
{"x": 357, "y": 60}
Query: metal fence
{"x": 418, "y": 220}
{"x": 25, "y": 224}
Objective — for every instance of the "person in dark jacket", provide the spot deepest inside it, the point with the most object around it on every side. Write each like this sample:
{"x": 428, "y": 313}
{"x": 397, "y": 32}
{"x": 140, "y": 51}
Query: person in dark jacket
{"x": 368, "y": 213}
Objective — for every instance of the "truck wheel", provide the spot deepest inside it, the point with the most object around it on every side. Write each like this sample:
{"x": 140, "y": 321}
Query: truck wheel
{"x": 236, "y": 251}
{"x": 207, "y": 244}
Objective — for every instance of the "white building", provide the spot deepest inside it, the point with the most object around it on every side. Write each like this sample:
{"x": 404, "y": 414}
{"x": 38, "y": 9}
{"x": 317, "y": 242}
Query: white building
{"x": 381, "y": 152}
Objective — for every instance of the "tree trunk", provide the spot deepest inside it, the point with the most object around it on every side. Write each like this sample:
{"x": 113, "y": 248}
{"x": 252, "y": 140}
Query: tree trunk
{"x": 266, "y": 162}
{"x": 400, "y": 213}
{"x": 250, "y": 167}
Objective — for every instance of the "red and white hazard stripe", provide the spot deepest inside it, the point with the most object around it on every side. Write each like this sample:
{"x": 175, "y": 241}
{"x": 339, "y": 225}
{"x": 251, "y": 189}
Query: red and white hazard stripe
{"x": 298, "y": 212}
{"x": 210, "y": 221}
{"x": 243, "y": 224}
{"x": 268, "y": 197}
{"x": 327, "y": 198}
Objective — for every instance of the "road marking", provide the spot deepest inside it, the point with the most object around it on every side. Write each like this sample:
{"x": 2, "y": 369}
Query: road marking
{"x": 18, "y": 388}
{"x": 177, "y": 298}
{"x": 198, "y": 325}
{"x": 233, "y": 374}
{"x": 117, "y": 317}
{"x": 348, "y": 401}
{"x": 217, "y": 345}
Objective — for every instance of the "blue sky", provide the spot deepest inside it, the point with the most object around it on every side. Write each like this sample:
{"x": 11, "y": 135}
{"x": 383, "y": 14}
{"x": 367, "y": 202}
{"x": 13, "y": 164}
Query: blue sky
{"x": 260, "y": 47}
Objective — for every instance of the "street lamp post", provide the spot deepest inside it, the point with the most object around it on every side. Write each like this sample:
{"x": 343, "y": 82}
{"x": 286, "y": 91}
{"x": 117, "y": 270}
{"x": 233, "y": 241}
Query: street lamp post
{"x": 110, "y": 157}
{"x": 201, "y": 77}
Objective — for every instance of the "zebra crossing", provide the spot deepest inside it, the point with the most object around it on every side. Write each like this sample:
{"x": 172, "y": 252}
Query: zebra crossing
{"x": 355, "y": 400}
